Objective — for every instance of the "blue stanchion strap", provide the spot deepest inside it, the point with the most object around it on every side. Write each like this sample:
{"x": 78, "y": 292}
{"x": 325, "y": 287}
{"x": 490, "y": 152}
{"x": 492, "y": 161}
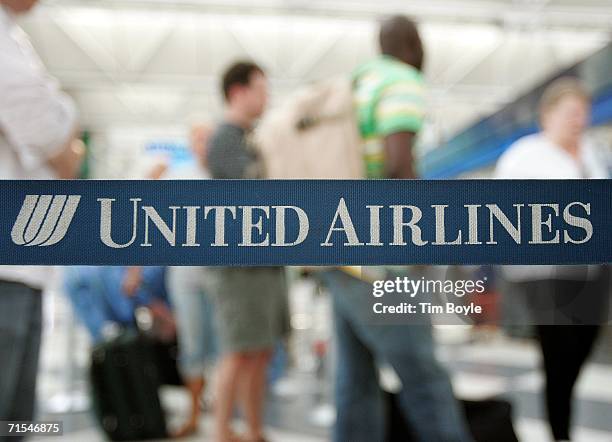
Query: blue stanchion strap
{"x": 305, "y": 222}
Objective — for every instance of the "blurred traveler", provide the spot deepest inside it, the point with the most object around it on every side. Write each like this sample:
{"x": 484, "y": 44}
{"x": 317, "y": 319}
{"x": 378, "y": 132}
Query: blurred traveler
{"x": 37, "y": 141}
{"x": 566, "y": 301}
{"x": 135, "y": 356}
{"x": 100, "y": 300}
{"x": 389, "y": 121}
{"x": 250, "y": 302}
{"x": 189, "y": 291}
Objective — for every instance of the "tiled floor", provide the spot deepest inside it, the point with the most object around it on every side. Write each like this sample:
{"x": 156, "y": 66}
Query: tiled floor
{"x": 274, "y": 434}
{"x": 510, "y": 368}
{"x": 301, "y": 410}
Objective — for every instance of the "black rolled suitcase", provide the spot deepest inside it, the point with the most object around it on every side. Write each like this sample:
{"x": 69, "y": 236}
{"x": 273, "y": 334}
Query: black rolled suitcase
{"x": 489, "y": 420}
{"x": 125, "y": 380}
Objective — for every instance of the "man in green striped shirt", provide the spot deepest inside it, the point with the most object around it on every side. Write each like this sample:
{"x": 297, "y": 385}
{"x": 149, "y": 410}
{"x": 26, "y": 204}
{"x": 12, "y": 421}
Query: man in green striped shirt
{"x": 389, "y": 100}
{"x": 390, "y": 109}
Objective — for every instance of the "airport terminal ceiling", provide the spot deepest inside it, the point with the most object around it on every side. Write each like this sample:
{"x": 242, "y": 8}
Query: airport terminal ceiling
{"x": 152, "y": 64}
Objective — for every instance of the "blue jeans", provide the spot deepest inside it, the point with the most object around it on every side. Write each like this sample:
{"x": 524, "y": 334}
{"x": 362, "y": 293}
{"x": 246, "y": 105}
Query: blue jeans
{"x": 194, "y": 312}
{"x": 426, "y": 398}
{"x": 278, "y": 364}
{"x": 20, "y": 330}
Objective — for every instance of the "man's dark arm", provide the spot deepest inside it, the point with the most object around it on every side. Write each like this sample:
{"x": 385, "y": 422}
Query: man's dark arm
{"x": 399, "y": 163}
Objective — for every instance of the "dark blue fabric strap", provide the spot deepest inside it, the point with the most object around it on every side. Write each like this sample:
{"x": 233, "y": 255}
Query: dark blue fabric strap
{"x": 305, "y": 222}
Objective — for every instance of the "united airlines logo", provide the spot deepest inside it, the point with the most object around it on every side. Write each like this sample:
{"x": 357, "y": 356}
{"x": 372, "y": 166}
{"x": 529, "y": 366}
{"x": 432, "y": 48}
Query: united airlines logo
{"x": 305, "y": 222}
{"x": 44, "y": 219}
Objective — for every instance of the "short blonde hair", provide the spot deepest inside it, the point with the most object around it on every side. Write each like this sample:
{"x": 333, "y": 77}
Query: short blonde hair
{"x": 561, "y": 88}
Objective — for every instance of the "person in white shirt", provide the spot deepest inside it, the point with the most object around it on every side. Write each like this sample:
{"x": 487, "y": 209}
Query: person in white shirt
{"x": 188, "y": 288}
{"x": 566, "y": 302}
{"x": 38, "y": 125}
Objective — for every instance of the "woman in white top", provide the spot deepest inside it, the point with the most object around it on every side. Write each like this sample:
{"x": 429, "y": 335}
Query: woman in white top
{"x": 560, "y": 297}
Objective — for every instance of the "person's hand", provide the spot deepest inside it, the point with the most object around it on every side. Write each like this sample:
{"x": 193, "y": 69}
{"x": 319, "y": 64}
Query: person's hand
{"x": 164, "y": 324}
{"x": 67, "y": 162}
{"x": 131, "y": 281}
{"x": 158, "y": 170}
